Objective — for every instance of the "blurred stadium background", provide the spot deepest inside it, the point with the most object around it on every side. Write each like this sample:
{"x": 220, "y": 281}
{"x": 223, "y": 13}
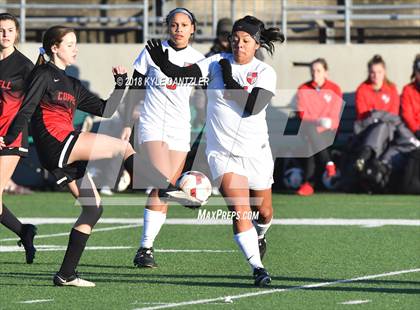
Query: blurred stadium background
{"x": 346, "y": 33}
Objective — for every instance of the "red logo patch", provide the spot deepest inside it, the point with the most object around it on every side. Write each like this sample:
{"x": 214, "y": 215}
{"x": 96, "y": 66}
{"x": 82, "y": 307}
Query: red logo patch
{"x": 251, "y": 77}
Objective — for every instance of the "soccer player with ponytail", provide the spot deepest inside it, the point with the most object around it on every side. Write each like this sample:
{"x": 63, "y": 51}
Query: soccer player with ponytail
{"x": 239, "y": 89}
{"x": 50, "y": 102}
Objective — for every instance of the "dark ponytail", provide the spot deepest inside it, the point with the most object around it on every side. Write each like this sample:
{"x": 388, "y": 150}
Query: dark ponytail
{"x": 270, "y": 35}
{"x": 53, "y": 36}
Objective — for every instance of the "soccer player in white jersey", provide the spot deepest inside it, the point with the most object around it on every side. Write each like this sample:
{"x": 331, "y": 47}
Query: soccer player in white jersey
{"x": 164, "y": 129}
{"x": 239, "y": 90}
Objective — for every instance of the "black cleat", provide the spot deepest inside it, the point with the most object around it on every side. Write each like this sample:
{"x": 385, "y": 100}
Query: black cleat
{"x": 27, "y": 240}
{"x": 261, "y": 276}
{"x": 144, "y": 258}
{"x": 73, "y": 280}
{"x": 262, "y": 245}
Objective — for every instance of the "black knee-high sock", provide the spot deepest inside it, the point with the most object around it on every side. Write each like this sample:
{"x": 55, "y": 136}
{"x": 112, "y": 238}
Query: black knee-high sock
{"x": 77, "y": 243}
{"x": 9, "y": 220}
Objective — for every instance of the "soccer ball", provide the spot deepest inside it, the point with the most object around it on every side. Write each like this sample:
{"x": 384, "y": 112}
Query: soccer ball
{"x": 196, "y": 185}
{"x": 293, "y": 178}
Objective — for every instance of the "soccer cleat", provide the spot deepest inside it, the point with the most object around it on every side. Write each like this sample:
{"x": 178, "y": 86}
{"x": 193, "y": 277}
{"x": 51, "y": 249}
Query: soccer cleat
{"x": 261, "y": 276}
{"x": 73, "y": 280}
{"x": 177, "y": 195}
{"x": 27, "y": 240}
{"x": 360, "y": 164}
{"x": 262, "y": 245}
{"x": 331, "y": 169}
{"x": 305, "y": 189}
{"x": 144, "y": 258}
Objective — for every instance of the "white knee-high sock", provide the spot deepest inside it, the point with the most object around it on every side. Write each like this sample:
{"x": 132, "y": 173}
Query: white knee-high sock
{"x": 248, "y": 242}
{"x": 261, "y": 228}
{"x": 153, "y": 221}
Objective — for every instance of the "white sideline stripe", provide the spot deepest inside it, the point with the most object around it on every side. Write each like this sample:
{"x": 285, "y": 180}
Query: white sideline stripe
{"x": 195, "y": 221}
{"x": 35, "y": 301}
{"x": 67, "y": 233}
{"x": 49, "y": 248}
{"x": 355, "y": 302}
{"x": 272, "y": 291}
{"x": 136, "y": 222}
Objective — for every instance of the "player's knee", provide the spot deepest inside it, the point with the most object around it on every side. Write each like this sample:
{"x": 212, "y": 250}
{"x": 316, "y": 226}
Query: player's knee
{"x": 93, "y": 214}
{"x": 265, "y": 213}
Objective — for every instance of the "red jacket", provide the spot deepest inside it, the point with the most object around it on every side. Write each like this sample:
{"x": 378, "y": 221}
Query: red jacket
{"x": 368, "y": 99}
{"x": 314, "y": 103}
{"x": 410, "y": 106}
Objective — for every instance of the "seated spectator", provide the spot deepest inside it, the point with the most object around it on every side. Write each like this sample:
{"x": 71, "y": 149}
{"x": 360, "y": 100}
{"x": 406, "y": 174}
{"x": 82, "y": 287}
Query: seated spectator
{"x": 381, "y": 135}
{"x": 319, "y": 102}
{"x": 410, "y": 100}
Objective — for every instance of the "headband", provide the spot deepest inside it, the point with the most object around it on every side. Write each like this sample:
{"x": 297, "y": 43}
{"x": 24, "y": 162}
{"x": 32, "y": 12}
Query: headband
{"x": 180, "y": 10}
{"x": 253, "y": 30}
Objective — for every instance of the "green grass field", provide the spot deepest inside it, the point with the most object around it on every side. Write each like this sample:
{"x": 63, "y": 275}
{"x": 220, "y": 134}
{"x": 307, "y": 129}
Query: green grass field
{"x": 200, "y": 265}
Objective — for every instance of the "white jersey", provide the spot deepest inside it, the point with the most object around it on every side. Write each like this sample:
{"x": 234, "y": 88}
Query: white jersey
{"x": 226, "y": 129}
{"x": 166, "y": 106}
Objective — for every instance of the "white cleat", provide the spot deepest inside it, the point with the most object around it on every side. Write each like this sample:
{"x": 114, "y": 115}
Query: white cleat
{"x": 73, "y": 280}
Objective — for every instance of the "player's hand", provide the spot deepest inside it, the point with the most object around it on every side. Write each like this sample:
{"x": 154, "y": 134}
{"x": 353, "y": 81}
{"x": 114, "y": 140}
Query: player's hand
{"x": 156, "y": 52}
{"x": 126, "y": 133}
{"x": 119, "y": 70}
{"x": 2, "y": 144}
{"x": 120, "y": 76}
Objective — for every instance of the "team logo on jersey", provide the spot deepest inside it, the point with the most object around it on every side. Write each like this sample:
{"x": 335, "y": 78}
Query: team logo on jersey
{"x": 5, "y": 84}
{"x": 385, "y": 98}
{"x": 187, "y": 64}
{"x": 66, "y": 98}
{"x": 327, "y": 98}
{"x": 171, "y": 86}
{"x": 251, "y": 77}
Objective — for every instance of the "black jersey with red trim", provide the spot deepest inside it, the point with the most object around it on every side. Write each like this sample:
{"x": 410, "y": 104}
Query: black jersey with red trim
{"x": 51, "y": 100}
{"x": 14, "y": 71}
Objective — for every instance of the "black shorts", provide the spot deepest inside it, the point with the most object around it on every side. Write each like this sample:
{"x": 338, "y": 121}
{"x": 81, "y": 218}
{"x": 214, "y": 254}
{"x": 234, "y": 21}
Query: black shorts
{"x": 54, "y": 154}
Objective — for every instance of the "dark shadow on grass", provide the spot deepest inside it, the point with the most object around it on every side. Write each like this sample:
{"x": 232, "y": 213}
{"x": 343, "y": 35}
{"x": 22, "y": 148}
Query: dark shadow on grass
{"x": 152, "y": 274}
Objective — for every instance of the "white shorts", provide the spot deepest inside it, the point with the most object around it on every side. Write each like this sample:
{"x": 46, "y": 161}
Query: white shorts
{"x": 258, "y": 170}
{"x": 177, "y": 140}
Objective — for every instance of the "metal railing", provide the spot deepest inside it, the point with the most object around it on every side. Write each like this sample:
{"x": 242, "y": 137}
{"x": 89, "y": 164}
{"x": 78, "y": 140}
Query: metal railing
{"x": 348, "y": 14}
{"x": 23, "y": 6}
{"x": 152, "y": 25}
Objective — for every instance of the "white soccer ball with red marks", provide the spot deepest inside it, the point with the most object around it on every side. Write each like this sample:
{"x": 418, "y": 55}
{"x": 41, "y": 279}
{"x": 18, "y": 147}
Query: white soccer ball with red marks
{"x": 195, "y": 184}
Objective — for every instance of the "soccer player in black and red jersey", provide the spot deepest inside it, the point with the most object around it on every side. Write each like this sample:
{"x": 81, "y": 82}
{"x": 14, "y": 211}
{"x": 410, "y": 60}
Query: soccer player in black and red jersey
{"x": 50, "y": 102}
{"x": 14, "y": 71}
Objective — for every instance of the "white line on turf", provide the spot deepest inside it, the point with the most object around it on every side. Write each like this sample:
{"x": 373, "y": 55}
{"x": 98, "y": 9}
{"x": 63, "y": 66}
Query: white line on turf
{"x": 355, "y": 302}
{"x": 67, "y": 233}
{"x": 49, "y": 248}
{"x": 35, "y": 301}
{"x": 280, "y": 290}
{"x": 195, "y": 221}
